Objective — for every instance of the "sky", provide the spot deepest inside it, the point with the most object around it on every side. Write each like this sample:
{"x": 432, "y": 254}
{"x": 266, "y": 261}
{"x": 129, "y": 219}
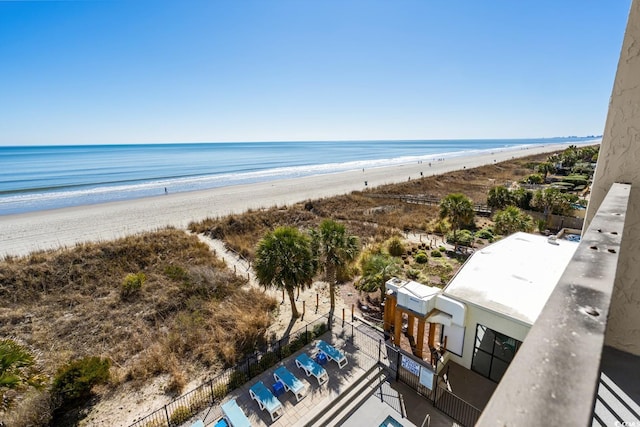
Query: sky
{"x": 138, "y": 71}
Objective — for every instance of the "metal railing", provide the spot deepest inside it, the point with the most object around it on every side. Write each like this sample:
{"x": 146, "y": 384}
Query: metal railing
{"x": 213, "y": 391}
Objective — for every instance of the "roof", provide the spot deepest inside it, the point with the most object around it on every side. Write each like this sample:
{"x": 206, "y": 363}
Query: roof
{"x": 513, "y": 276}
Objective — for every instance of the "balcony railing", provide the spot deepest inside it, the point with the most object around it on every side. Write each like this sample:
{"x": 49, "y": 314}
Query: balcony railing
{"x": 554, "y": 377}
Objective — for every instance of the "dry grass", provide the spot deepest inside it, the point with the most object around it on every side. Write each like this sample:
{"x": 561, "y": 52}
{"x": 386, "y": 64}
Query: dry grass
{"x": 191, "y": 311}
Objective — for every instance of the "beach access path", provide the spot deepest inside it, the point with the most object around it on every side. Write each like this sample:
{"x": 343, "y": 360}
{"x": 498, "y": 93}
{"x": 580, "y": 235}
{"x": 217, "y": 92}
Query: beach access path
{"x": 21, "y": 234}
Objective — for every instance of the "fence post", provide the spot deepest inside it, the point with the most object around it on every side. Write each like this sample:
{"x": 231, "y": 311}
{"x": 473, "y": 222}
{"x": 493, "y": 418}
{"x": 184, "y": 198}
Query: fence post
{"x": 379, "y": 350}
{"x": 398, "y": 355}
{"x": 166, "y": 413}
{"x": 213, "y": 398}
{"x": 306, "y": 334}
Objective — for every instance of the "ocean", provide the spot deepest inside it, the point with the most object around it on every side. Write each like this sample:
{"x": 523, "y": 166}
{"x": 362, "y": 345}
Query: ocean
{"x": 48, "y": 177}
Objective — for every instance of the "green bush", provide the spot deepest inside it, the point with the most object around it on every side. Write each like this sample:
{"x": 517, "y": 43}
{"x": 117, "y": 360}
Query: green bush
{"x": 219, "y": 391}
{"x": 236, "y": 379}
{"x": 442, "y": 249}
{"x": 132, "y": 284}
{"x": 463, "y": 237}
{"x": 177, "y": 273}
{"x": 413, "y": 274}
{"x": 319, "y": 329}
{"x": 74, "y": 381}
{"x": 485, "y": 233}
{"x": 534, "y": 178}
{"x": 436, "y": 254}
{"x": 180, "y": 415}
{"x": 395, "y": 247}
{"x": 421, "y": 257}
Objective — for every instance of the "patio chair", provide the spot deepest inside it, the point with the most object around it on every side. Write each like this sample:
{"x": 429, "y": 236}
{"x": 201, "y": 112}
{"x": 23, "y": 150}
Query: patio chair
{"x": 266, "y": 400}
{"x": 332, "y": 353}
{"x": 311, "y": 367}
{"x": 291, "y": 383}
{"x": 234, "y": 415}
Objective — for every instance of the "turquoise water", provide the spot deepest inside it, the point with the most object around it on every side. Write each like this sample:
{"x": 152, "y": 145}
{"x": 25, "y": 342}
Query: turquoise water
{"x": 38, "y": 178}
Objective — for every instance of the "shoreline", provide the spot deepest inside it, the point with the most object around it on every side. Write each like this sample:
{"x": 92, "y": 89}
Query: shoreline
{"x": 22, "y": 234}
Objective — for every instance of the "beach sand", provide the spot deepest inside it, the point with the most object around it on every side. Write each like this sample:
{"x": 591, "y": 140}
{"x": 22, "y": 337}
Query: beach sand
{"x": 24, "y": 233}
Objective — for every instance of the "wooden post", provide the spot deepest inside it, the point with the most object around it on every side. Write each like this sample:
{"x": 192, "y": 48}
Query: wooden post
{"x": 353, "y": 306}
{"x": 282, "y": 297}
{"x": 397, "y": 327}
{"x": 420, "y": 338}
{"x": 410, "y": 325}
{"x": 343, "y": 317}
{"x": 317, "y": 301}
{"x": 303, "y": 308}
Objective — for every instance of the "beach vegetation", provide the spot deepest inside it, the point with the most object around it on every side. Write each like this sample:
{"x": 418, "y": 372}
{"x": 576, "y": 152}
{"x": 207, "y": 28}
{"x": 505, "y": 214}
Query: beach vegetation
{"x": 335, "y": 248}
{"x": 462, "y": 238}
{"x": 395, "y": 247}
{"x": 551, "y": 201}
{"x": 546, "y": 168}
{"x": 486, "y": 233}
{"x": 511, "y": 219}
{"x": 73, "y": 383}
{"x": 436, "y": 254}
{"x": 522, "y": 198}
{"x": 132, "y": 284}
{"x": 284, "y": 260}
{"x": 18, "y": 371}
{"x": 421, "y": 257}
{"x": 377, "y": 269}
{"x": 534, "y": 178}
{"x": 499, "y": 197}
{"x": 458, "y": 209}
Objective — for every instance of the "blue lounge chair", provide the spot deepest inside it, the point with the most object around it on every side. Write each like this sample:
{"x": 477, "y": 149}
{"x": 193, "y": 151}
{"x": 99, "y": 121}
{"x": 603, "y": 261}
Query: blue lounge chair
{"x": 234, "y": 415}
{"x": 266, "y": 400}
{"x": 291, "y": 383}
{"x": 311, "y": 367}
{"x": 332, "y": 353}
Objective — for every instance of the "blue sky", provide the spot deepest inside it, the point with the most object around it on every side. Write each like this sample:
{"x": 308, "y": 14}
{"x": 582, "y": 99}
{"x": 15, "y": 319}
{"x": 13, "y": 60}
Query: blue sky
{"x": 116, "y": 71}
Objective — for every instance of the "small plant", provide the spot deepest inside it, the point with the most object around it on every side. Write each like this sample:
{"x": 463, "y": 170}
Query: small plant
{"x": 421, "y": 257}
{"x": 319, "y": 329}
{"x": 132, "y": 284}
{"x": 413, "y": 274}
{"x": 485, "y": 233}
{"x": 236, "y": 379}
{"x": 442, "y": 249}
{"x": 74, "y": 381}
{"x": 180, "y": 415}
{"x": 219, "y": 391}
{"x": 395, "y": 247}
{"x": 177, "y": 273}
{"x": 436, "y": 254}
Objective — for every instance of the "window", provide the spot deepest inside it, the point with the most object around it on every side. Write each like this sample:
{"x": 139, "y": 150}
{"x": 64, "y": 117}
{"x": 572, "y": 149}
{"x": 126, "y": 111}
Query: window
{"x": 493, "y": 352}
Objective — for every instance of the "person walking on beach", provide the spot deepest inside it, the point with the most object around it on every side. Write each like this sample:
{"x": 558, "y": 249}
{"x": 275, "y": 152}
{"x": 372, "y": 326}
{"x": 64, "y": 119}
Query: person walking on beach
{"x": 165, "y": 190}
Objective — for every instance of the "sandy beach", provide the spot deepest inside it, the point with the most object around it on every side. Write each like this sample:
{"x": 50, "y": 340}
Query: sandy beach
{"x": 24, "y": 233}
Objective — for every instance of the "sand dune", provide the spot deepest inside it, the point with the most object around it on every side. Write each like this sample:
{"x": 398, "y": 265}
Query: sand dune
{"x": 25, "y": 233}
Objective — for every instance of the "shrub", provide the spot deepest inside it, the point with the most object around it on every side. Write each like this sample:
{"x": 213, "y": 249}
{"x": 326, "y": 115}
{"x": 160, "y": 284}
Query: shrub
{"x": 319, "y": 329}
{"x": 132, "y": 284}
{"x": 534, "y": 178}
{"x": 442, "y": 249}
{"x": 413, "y": 274}
{"x": 485, "y": 233}
{"x": 219, "y": 391}
{"x": 436, "y": 254}
{"x": 74, "y": 381}
{"x": 180, "y": 415}
{"x": 395, "y": 247}
{"x": 177, "y": 273}
{"x": 421, "y": 257}
{"x": 463, "y": 237}
{"x": 236, "y": 379}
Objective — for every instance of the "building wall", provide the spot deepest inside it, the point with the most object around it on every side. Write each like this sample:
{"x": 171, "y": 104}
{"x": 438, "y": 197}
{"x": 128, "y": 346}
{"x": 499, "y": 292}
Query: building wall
{"x": 619, "y": 161}
{"x": 499, "y": 323}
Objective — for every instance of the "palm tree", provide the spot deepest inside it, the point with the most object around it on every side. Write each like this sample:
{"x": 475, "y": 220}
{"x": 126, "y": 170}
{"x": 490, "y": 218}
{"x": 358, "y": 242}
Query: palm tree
{"x": 284, "y": 260}
{"x": 336, "y": 249}
{"x": 512, "y": 219}
{"x": 377, "y": 269}
{"x": 499, "y": 197}
{"x": 458, "y": 209}
{"x": 546, "y": 168}
{"x": 17, "y": 370}
{"x": 550, "y": 200}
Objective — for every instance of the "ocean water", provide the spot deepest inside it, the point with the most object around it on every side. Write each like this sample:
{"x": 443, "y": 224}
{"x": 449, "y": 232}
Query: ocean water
{"x": 49, "y": 177}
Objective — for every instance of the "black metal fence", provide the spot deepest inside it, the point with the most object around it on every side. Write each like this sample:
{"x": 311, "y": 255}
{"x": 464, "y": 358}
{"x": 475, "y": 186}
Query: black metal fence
{"x": 455, "y": 407}
{"x": 213, "y": 391}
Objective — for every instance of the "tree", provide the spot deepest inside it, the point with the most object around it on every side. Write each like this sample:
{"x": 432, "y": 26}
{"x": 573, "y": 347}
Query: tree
{"x": 335, "y": 248}
{"x": 512, "y": 219}
{"x": 499, "y": 197}
{"x": 284, "y": 260}
{"x": 551, "y": 200}
{"x": 458, "y": 209}
{"x": 376, "y": 269}
{"x": 546, "y": 168}
{"x": 17, "y": 370}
